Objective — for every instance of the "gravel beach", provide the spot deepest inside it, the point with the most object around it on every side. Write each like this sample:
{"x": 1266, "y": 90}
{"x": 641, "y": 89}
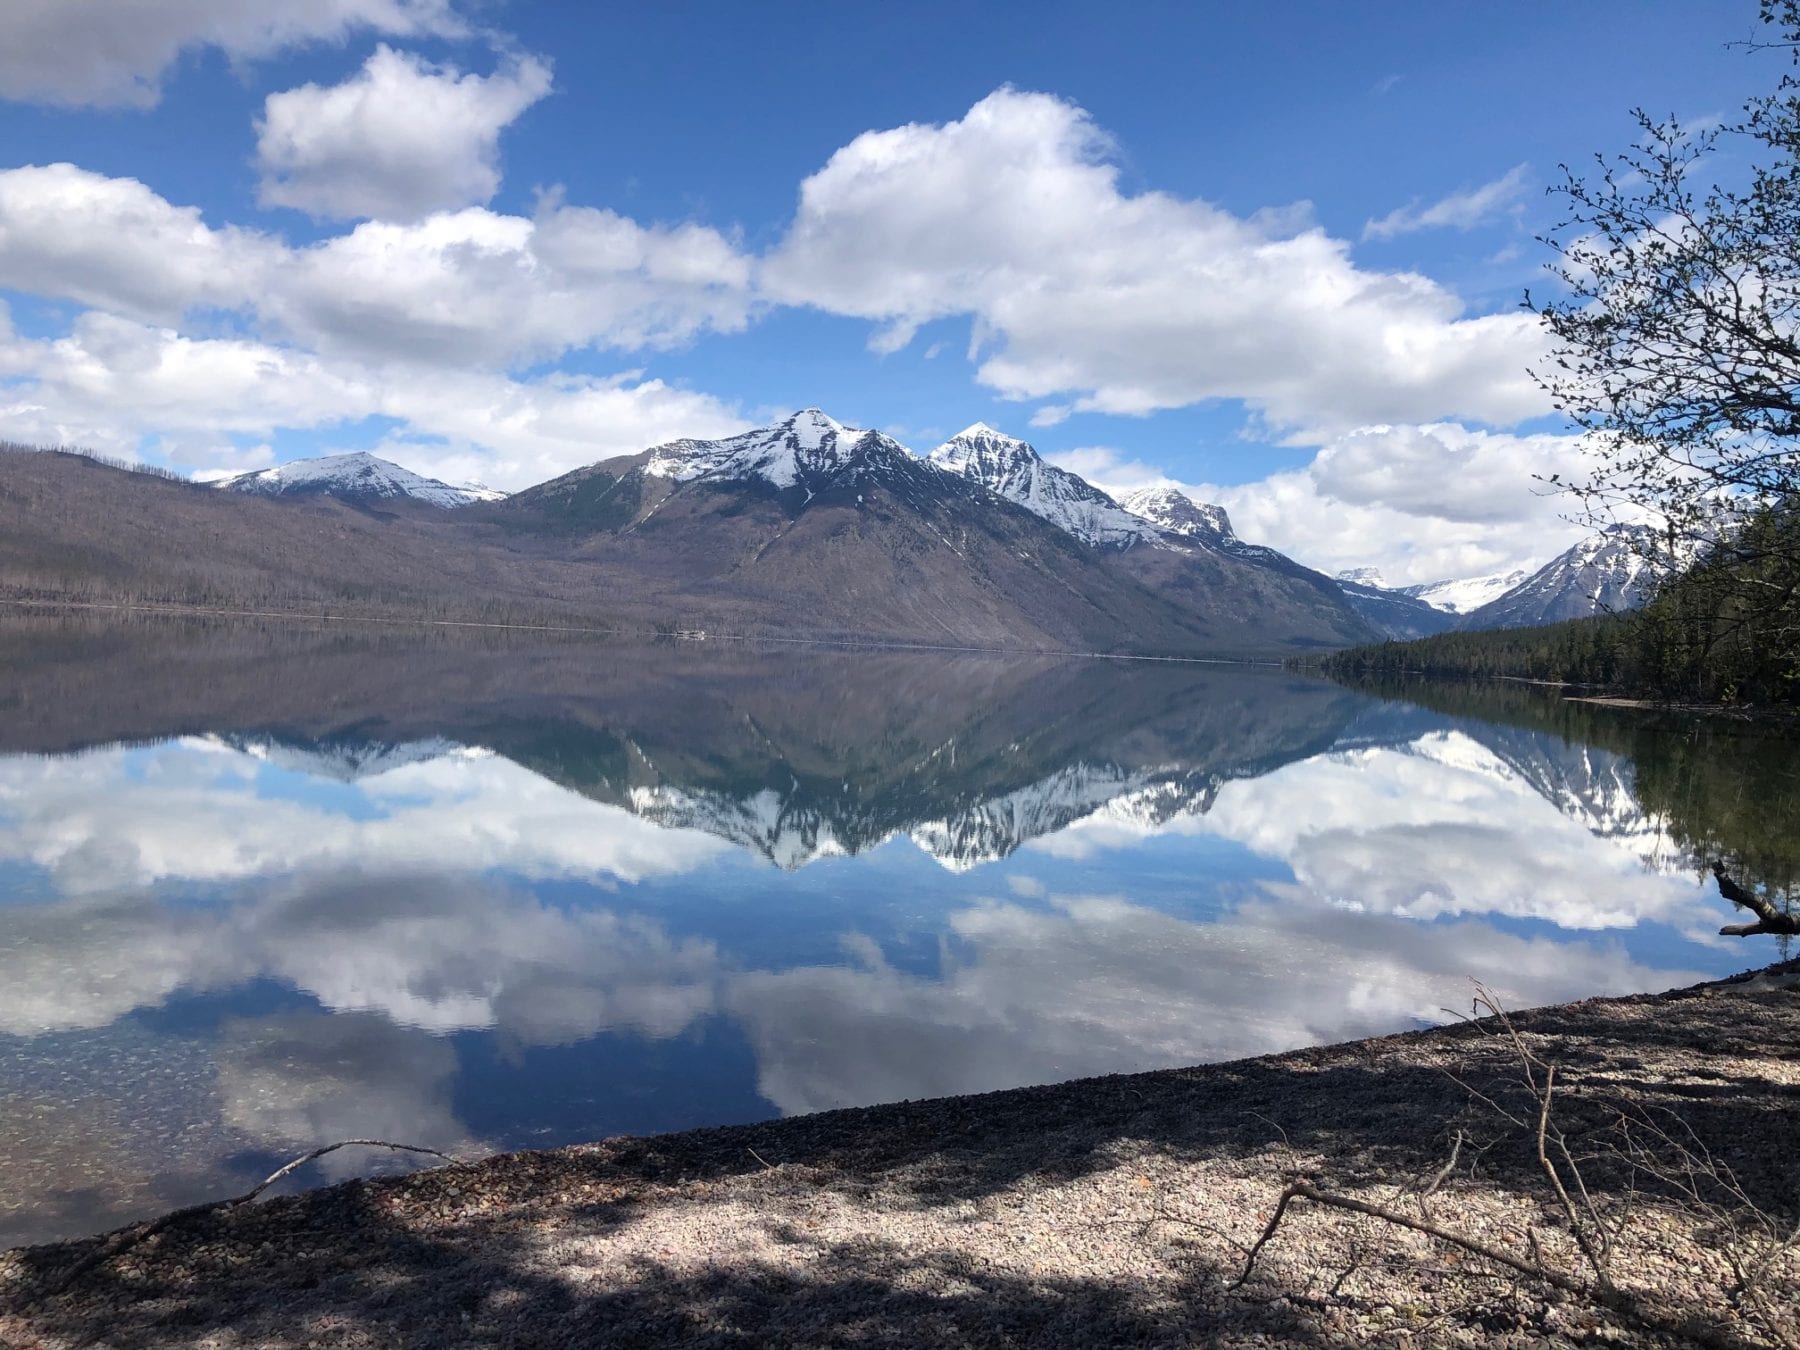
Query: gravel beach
{"x": 1109, "y": 1211}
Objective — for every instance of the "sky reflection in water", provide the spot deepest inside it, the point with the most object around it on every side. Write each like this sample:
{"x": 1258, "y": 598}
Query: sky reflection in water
{"x": 483, "y": 899}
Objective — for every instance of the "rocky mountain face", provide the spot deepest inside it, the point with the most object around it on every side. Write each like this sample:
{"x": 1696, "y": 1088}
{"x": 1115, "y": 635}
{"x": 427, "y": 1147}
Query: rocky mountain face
{"x": 1014, "y": 470}
{"x": 1176, "y": 513}
{"x": 1602, "y": 574}
{"x": 982, "y": 543}
{"x": 1395, "y": 613}
{"x": 1607, "y": 572}
{"x": 358, "y": 477}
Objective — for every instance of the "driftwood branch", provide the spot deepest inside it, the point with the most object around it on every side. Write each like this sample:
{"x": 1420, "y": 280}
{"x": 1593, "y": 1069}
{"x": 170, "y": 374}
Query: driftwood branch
{"x": 1769, "y": 919}
{"x": 1305, "y": 1190}
{"x": 126, "y": 1238}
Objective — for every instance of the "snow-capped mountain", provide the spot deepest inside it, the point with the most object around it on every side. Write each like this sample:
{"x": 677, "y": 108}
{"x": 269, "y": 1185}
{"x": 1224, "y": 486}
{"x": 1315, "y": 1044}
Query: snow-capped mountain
{"x": 808, "y": 450}
{"x": 1606, "y": 572}
{"x": 348, "y": 760}
{"x": 1467, "y": 594}
{"x": 356, "y": 477}
{"x": 1017, "y": 472}
{"x": 1395, "y": 613}
{"x": 1203, "y": 524}
{"x": 1174, "y": 512}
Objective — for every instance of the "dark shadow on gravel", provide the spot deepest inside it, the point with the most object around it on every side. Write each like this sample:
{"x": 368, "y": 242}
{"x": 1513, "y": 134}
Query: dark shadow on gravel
{"x": 353, "y": 1276}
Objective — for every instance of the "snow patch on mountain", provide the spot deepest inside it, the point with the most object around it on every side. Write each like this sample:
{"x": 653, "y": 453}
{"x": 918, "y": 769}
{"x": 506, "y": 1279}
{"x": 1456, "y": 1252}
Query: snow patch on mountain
{"x": 1017, "y": 472}
{"x": 1174, "y": 512}
{"x": 803, "y": 451}
{"x": 1616, "y": 569}
{"x": 348, "y": 760}
{"x": 359, "y": 476}
{"x": 1466, "y": 594}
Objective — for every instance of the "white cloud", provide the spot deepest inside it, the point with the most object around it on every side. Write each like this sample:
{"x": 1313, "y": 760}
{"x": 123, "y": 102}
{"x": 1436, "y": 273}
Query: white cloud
{"x": 115, "y": 244}
{"x": 474, "y": 288}
{"x": 1110, "y": 469}
{"x": 463, "y": 288}
{"x": 110, "y": 53}
{"x": 397, "y": 141}
{"x": 414, "y": 322}
{"x": 1014, "y": 217}
{"x": 1448, "y": 472}
{"x": 111, "y": 383}
{"x": 1422, "y": 503}
{"x": 1460, "y": 210}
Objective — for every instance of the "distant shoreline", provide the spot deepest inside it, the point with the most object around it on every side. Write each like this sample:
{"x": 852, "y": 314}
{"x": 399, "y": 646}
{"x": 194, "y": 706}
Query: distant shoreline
{"x": 636, "y": 634}
{"x": 1103, "y": 1210}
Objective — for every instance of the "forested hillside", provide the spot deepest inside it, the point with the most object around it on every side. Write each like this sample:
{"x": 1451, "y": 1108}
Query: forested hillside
{"x": 1727, "y": 632}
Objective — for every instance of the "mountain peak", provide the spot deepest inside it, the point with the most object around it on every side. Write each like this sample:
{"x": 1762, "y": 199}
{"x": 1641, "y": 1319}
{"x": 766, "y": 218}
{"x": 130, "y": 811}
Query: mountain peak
{"x": 1016, "y": 471}
{"x": 981, "y": 431}
{"x": 355, "y": 475}
{"x": 814, "y": 423}
{"x": 799, "y": 451}
{"x": 1173, "y": 511}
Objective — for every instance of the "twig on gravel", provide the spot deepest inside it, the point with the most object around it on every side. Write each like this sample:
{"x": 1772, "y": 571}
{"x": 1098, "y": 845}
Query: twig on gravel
{"x": 1305, "y": 1190}
{"x": 127, "y": 1238}
{"x": 1427, "y": 1189}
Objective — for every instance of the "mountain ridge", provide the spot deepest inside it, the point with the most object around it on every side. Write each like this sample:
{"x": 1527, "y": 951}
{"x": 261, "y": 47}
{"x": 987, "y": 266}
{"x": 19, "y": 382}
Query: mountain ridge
{"x": 356, "y": 476}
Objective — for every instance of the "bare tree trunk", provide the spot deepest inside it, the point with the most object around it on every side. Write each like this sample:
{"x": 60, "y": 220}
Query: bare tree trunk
{"x": 1768, "y": 918}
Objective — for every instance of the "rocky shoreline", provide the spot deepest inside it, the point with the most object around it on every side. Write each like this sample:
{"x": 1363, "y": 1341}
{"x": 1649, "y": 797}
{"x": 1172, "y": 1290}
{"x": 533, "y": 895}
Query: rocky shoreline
{"x": 1104, "y": 1211}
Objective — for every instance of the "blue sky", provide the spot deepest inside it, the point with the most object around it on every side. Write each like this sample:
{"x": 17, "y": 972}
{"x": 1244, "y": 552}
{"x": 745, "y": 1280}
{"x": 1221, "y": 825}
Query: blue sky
{"x": 1271, "y": 253}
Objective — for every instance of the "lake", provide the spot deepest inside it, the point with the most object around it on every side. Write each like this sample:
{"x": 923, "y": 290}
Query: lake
{"x": 267, "y": 887}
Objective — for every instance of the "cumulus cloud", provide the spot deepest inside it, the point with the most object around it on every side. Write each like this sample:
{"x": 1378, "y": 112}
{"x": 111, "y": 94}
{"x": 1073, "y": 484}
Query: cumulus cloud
{"x": 1446, "y": 471}
{"x": 461, "y": 288}
{"x": 103, "y": 53}
{"x": 416, "y": 321}
{"x": 399, "y": 140}
{"x": 1422, "y": 502}
{"x": 1460, "y": 210}
{"x": 473, "y": 288}
{"x": 115, "y": 244}
{"x": 111, "y": 383}
{"x": 1013, "y": 216}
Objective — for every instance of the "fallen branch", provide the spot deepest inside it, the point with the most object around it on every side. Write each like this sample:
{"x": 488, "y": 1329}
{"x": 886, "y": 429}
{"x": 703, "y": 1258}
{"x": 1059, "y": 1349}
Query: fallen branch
{"x": 1769, "y": 919}
{"x": 1305, "y": 1190}
{"x": 126, "y": 1238}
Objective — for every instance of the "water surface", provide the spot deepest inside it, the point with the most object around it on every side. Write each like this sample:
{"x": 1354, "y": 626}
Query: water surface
{"x": 262, "y": 889}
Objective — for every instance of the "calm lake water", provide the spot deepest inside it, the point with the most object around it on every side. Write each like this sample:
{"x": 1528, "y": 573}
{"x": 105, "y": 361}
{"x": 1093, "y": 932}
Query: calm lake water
{"x": 263, "y": 889}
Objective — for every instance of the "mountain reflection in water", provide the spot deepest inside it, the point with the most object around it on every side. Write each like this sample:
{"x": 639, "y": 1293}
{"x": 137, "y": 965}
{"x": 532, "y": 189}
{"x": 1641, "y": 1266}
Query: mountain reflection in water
{"x": 269, "y": 889}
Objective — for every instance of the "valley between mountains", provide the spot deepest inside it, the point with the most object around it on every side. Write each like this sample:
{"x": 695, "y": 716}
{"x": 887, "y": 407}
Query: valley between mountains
{"x": 807, "y": 529}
